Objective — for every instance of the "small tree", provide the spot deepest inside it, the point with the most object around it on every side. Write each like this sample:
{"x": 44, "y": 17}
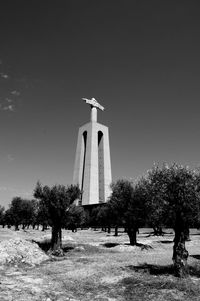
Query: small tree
{"x": 16, "y": 212}
{"x": 2, "y": 214}
{"x": 128, "y": 206}
{"x": 93, "y": 218}
{"x": 8, "y": 219}
{"x": 115, "y": 219}
{"x": 57, "y": 200}
{"x": 103, "y": 218}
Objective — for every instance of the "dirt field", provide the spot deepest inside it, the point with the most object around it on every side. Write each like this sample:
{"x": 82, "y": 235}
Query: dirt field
{"x": 99, "y": 266}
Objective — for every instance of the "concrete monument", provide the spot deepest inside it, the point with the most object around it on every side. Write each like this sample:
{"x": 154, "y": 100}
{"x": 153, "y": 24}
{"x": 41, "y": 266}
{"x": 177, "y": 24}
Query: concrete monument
{"x": 92, "y": 169}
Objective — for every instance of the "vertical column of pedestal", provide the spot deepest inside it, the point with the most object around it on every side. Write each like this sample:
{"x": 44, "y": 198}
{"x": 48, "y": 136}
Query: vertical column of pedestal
{"x": 79, "y": 159}
{"x": 90, "y": 187}
{"x": 107, "y": 164}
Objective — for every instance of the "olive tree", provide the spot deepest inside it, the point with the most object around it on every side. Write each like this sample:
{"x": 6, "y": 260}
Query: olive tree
{"x": 15, "y": 212}
{"x": 57, "y": 200}
{"x": 174, "y": 191}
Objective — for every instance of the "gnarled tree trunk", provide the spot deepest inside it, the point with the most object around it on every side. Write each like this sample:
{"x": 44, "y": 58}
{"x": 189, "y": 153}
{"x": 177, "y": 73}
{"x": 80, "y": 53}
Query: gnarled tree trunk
{"x": 132, "y": 234}
{"x": 56, "y": 240}
{"x": 180, "y": 254}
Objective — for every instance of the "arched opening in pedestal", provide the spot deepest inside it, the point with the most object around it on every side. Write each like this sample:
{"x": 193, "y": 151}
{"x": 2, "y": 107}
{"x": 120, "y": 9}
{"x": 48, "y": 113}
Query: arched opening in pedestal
{"x": 101, "y": 167}
{"x": 84, "y": 143}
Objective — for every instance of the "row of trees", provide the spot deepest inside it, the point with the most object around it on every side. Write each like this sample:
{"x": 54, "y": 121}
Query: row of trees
{"x": 165, "y": 197}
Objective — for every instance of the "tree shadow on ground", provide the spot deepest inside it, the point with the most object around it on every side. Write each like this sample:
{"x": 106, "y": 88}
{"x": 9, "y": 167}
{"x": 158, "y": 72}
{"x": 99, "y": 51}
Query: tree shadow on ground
{"x": 165, "y": 241}
{"x": 149, "y": 234}
{"x": 142, "y": 246}
{"x": 110, "y": 245}
{"x": 152, "y": 269}
{"x": 162, "y": 270}
{"x": 195, "y": 256}
{"x": 44, "y": 245}
{"x": 67, "y": 248}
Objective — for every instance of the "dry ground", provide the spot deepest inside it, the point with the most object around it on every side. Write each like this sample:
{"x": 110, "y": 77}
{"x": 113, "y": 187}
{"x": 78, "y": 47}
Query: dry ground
{"x": 99, "y": 266}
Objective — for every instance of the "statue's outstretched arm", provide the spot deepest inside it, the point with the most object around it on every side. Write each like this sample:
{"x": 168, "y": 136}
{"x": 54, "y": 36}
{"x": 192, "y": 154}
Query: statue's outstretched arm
{"x": 93, "y": 103}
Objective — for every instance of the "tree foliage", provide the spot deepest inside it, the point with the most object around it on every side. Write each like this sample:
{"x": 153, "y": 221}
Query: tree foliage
{"x": 127, "y": 207}
{"x": 75, "y": 217}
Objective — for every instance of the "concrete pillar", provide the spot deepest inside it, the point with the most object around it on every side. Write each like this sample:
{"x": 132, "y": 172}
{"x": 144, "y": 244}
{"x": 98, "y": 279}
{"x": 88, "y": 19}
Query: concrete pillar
{"x": 93, "y": 114}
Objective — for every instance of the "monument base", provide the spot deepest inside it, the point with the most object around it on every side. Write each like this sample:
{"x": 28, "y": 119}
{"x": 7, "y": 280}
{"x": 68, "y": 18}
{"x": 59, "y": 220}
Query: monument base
{"x": 92, "y": 170}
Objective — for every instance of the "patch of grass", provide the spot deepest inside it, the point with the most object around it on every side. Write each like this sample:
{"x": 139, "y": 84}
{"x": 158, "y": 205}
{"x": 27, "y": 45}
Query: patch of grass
{"x": 151, "y": 269}
{"x": 89, "y": 290}
{"x": 90, "y": 250}
{"x": 151, "y": 280}
{"x": 84, "y": 260}
{"x": 145, "y": 285}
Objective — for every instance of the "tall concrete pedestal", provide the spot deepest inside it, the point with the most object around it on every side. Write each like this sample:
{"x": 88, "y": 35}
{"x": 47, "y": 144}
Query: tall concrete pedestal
{"x": 92, "y": 170}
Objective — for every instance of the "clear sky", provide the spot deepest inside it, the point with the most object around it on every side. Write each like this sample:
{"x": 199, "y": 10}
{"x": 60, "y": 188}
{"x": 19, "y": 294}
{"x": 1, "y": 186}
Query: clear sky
{"x": 139, "y": 58}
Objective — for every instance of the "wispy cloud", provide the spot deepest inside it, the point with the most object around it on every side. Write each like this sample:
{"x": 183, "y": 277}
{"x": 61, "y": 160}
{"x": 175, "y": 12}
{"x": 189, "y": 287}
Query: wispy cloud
{"x": 15, "y": 93}
{"x": 3, "y": 75}
{"x": 7, "y": 104}
{"x": 10, "y": 95}
{"x": 9, "y": 100}
{"x": 8, "y": 108}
